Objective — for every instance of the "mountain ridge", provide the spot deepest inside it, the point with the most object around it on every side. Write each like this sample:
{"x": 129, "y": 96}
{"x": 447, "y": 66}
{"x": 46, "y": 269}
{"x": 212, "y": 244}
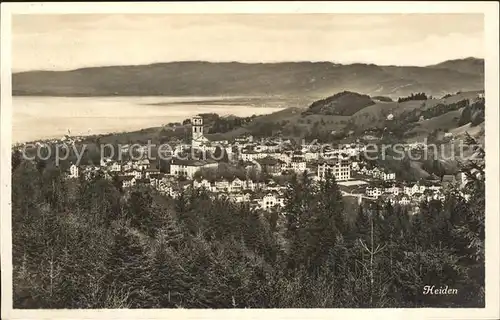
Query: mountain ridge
{"x": 205, "y": 78}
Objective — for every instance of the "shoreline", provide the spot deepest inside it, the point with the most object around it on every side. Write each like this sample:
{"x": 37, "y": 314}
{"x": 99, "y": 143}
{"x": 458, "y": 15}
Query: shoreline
{"x": 130, "y": 121}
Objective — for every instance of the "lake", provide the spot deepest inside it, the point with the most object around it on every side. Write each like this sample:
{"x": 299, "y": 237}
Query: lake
{"x": 51, "y": 117}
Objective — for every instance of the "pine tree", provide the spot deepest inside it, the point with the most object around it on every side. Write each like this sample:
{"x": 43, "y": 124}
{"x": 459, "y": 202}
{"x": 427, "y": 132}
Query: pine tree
{"x": 472, "y": 227}
{"x": 361, "y": 225}
{"x": 330, "y": 202}
{"x": 374, "y": 251}
{"x": 140, "y": 211}
{"x": 299, "y": 203}
{"x": 128, "y": 269}
{"x": 326, "y": 224}
{"x": 292, "y": 206}
{"x": 168, "y": 281}
{"x": 181, "y": 203}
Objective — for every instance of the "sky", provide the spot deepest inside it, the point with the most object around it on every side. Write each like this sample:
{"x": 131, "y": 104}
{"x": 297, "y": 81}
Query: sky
{"x": 70, "y": 41}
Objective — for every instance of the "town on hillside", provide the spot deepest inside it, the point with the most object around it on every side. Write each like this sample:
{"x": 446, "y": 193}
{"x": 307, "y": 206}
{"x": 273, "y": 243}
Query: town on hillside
{"x": 256, "y": 171}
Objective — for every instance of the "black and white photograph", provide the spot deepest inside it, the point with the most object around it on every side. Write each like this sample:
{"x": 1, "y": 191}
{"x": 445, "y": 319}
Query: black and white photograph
{"x": 250, "y": 159}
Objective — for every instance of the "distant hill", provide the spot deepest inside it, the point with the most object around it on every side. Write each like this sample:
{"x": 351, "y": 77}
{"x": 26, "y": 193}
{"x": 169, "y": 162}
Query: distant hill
{"x": 345, "y": 103}
{"x": 195, "y": 78}
{"x": 468, "y": 65}
{"x": 382, "y": 98}
{"x": 366, "y": 114}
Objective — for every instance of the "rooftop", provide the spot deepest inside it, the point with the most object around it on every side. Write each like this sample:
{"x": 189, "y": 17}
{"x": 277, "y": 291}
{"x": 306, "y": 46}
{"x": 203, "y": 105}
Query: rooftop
{"x": 270, "y": 161}
{"x": 125, "y": 178}
{"x": 192, "y": 162}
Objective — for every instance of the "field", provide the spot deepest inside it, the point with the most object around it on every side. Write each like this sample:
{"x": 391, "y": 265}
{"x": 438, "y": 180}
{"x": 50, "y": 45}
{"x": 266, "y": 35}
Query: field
{"x": 444, "y": 122}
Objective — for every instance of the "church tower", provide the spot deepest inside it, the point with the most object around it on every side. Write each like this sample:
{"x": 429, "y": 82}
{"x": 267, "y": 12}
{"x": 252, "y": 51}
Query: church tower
{"x": 197, "y": 128}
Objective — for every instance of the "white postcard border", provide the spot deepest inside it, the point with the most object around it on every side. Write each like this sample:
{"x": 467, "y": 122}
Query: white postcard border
{"x": 489, "y": 9}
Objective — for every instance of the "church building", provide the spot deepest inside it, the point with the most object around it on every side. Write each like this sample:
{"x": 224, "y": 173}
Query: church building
{"x": 198, "y": 139}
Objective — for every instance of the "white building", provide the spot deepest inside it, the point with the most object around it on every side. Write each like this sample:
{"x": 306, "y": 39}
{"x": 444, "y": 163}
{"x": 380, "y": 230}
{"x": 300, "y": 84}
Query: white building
{"x": 297, "y": 165}
{"x": 128, "y": 181}
{"x": 416, "y": 188}
{"x": 435, "y": 188}
{"x": 90, "y": 171}
{"x": 355, "y": 165}
{"x": 244, "y": 139}
{"x": 340, "y": 168}
{"x": 268, "y": 146}
{"x": 272, "y": 200}
{"x": 310, "y": 156}
{"x": 251, "y": 155}
{"x": 285, "y": 156}
{"x": 142, "y": 164}
{"x": 351, "y": 150}
{"x": 134, "y": 173}
{"x": 127, "y": 166}
{"x": 155, "y": 180}
{"x": 151, "y": 171}
{"x": 382, "y": 174}
{"x": 73, "y": 171}
{"x": 404, "y": 200}
{"x": 164, "y": 186}
{"x": 222, "y": 186}
{"x": 104, "y": 162}
{"x": 250, "y": 185}
{"x": 407, "y": 190}
{"x": 237, "y": 185}
{"x": 115, "y": 167}
{"x": 229, "y": 152}
{"x": 374, "y": 192}
{"x": 391, "y": 198}
{"x": 240, "y": 197}
{"x": 395, "y": 190}
{"x": 387, "y": 176}
{"x": 364, "y": 170}
{"x": 436, "y": 196}
{"x": 188, "y": 168}
{"x": 376, "y": 172}
{"x": 202, "y": 184}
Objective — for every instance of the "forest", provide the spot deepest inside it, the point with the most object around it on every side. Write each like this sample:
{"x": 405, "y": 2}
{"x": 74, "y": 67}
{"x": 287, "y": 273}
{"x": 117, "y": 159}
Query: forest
{"x": 414, "y": 96}
{"x": 92, "y": 244}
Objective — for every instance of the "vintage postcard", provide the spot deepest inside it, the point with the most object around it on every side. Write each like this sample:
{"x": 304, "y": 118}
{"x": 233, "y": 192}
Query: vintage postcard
{"x": 250, "y": 159}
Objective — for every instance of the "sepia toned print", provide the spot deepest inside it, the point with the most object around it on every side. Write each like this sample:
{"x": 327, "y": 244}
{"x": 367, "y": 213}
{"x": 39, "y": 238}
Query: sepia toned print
{"x": 248, "y": 161}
